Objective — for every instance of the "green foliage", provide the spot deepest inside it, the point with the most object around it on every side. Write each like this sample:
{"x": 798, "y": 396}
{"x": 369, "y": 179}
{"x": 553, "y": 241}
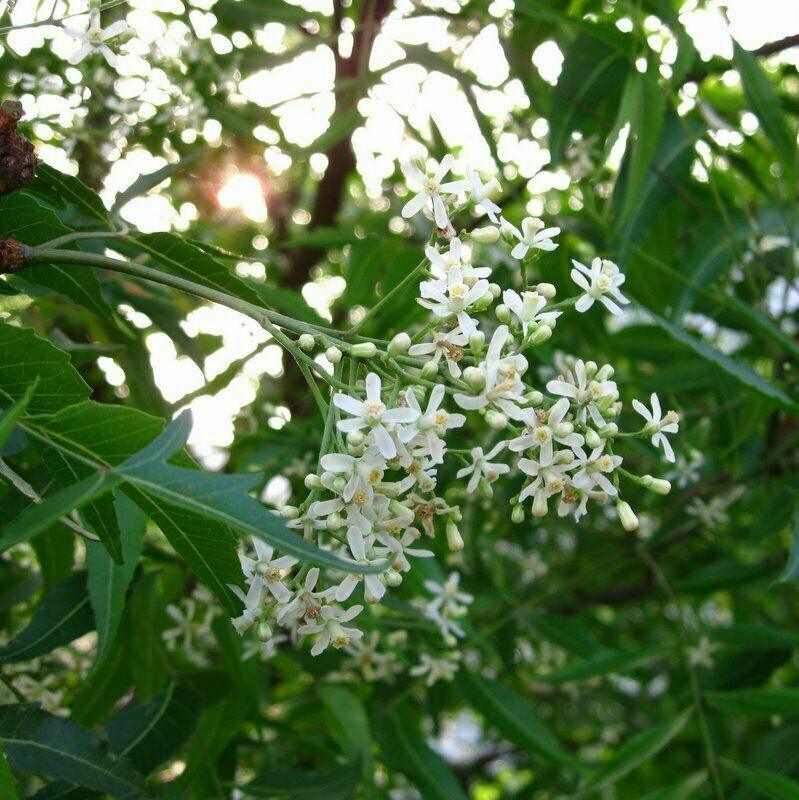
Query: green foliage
{"x": 595, "y": 663}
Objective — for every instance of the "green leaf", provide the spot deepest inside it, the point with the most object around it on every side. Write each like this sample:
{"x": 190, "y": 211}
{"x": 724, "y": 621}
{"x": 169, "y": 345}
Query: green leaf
{"x": 765, "y": 103}
{"x": 681, "y": 790}
{"x": 26, "y": 359}
{"x": 349, "y": 724}
{"x": 151, "y": 733}
{"x": 63, "y": 615}
{"x": 403, "y": 748}
{"x": 647, "y": 107}
{"x": 34, "y": 224}
{"x": 755, "y": 637}
{"x": 594, "y": 70}
{"x": 769, "y": 784}
{"x": 59, "y": 749}
{"x": 757, "y": 702}
{"x": 40, "y": 516}
{"x": 177, "y": 257}
{"x": 8, "y": 783}
{"x": 737, "y": 370}
{"x": 636, "y": 751}
{"x": 144, "y": 183}
{"x": 74, "y": 202}
{"x": 604, "y": 663}
{"x": 12, "y": 415}
{"x": 791, "y": 572}
{"x": 108, "y": 582}
{"x": 510, "y": 713}
{"x": 338, "y": 785}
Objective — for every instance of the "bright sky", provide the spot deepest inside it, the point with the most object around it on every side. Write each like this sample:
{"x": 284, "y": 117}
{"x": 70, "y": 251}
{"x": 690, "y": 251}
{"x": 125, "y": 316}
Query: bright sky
{"x": 406, "y": 91}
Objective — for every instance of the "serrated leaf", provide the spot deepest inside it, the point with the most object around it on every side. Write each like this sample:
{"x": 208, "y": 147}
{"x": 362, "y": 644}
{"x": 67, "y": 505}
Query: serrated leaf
{"x": 59, "y": 749}
{"x": 25, "y": 358}
{"x": 765, "y": 103}
{"x": 338, "y": 785}
{"x": 144, "y": 183}
{"x": 13, "y": 413}
{"x": 108, "y": 582}
{"x": 769, "y": 784}
{"x": 403, "y": 748}
{"x": 8, "y": 783}
{"x": 636, "y": 751}
{"x": 606, "y": 662}
{"x": 737, "y": 370}
{"x": 758, "y": 702}
{"x": 510, "y": 713}
{"x": 151, "y": 733}
{"x": 63, "y": 615}
{"x": 647, "y": 106}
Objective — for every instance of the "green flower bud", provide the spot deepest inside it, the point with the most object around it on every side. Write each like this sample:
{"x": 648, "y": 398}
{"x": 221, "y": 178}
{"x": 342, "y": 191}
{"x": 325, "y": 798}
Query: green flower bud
{"x": 540, "y": 503}
{"x": 517, "y": 515}
{"x": 592, "y": 438}
{"x": 496, "y": 420}
{"x": 543, "y": 333}
{"x": 289, "y": 512}
{"x": 627, "y": 516}
{"x": 306, "y": 342}
{"x": 364, "y": 350}
{"x": 486, "y": 235}
{"x": 333, "y": 355}
{"x": 657, "y": 485}
{"x": 429, "y": 370}
{"x": 477, "y": 342}
{"x": 399, "y": 344}
{"x": 503, "y": 313}
{"x": 454, "y": 538}
{"x": 312, "y": 481}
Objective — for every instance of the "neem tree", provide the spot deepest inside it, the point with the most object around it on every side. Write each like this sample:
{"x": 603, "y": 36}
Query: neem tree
{"x": 468, "y": 535}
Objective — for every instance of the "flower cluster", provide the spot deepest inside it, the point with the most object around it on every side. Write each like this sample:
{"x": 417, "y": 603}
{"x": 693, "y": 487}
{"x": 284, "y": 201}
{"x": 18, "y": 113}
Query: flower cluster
{"x": 464, "y": 373}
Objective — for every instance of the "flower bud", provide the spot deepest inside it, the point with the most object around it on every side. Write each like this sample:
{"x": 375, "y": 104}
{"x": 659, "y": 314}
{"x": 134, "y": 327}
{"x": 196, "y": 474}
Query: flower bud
{"x": 476, "y": 343}
{"x": 605, "y": 373}
{"x": 591, "y": 369}
{"x": 454, "y": 538}
{"x": 355, "y": 439}
{"x": 534, "y": 398}
{"x": 364, "y": 350}
{"x": 503, "y": 313}
{"x": 592, "y": 438}
{"x": 312, "y": 481}
{"x": 495, "y": 290}
{"x": 540, "y": 503}
{"x": 608, "y": 431}
{"x": 333, "y": 355}
{"x": 393, "y": 578}
{"x": 475, "y": 377}
{"x": 264, "y": 632}
{"x": 517, "y": 515}
{"x": 334, "y": 522}
{"x": 493, "y": 189}
{"x": 306, "y": 342}
{"x": 289, "y": 512}
{"x": 626, "y": 516}
{"x": 339, "y": 484}
{"x": 429, "y": 370}
{"x": 496, "y": 420}
{"x": 487, "y": 235}
{"x": 485, "y": 490}
{"x": 484, "y": 302}
{"x": 506, "y": 231}
{"x": 656, "y": 485}
{"x": 564, "y": 429}
{"x": 547, "y": 290}
{"x": 543, "y": 333}
{"x": 399, "y": 344}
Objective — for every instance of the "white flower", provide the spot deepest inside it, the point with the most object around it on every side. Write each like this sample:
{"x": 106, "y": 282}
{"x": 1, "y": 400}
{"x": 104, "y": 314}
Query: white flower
{"x": 253, "y": 606}
{"x": 658, "y": 425}
{"x": 436, "y": 668}
{"x": 480, "y": 196}
{"x": 448, "y": 596}
{"x": 372, "y": 413}
{"x": 548, "y": 472}
{"x": 546, "y": 429}
{"x": 453, "y": 298}
{"x": 455, "y": 257}
{"x": 434, "y": 421}
{"x": 605, "y": 279}
{"x": 502, "y": 386}
{"x": 271, "y": 571}
{"x": 400, "y": 549}
{"x": 528, "y": 308}
{"x": 533, "y": 235}
{"x": 483, "y": 467}
{"x": 362, "y": 473}
{"x": 95, "y": 37}
{"x": 590, "y": 395}
{"x": 431, "y": 190}
{"x": 329, "y": 629}
{"x": 593, "y": 468}
{"x": 373, "y": 585}
{"x": 449, "y": 345}
{"x": 304, "y": 605}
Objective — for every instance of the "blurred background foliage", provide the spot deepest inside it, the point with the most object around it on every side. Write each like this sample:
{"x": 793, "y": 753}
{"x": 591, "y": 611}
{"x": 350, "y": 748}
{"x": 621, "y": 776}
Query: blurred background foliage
{"x": 597, "y": 663}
